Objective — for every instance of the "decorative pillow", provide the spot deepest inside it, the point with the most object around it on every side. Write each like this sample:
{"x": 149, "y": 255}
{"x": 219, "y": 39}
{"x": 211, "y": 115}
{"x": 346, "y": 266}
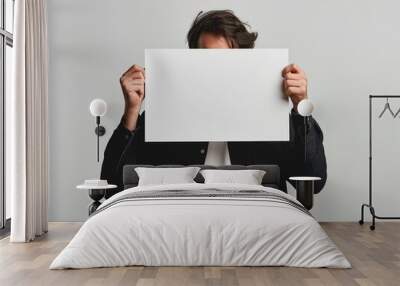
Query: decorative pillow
{"x": 248, "y": 177}
{"x": 162, "y": 176}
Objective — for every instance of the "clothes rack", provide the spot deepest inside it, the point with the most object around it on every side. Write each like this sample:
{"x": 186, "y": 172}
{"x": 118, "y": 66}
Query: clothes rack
{"x": 370, "y": 203}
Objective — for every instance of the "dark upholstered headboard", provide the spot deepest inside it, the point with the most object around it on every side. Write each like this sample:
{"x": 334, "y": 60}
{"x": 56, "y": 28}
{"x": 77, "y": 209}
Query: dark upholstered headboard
{"x": 272, "y": 177}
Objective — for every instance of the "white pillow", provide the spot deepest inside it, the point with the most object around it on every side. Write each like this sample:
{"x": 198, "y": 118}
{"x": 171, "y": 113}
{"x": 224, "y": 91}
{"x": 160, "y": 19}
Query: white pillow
{"x": 248, "y": 177}
{"x": 163, "y": 176}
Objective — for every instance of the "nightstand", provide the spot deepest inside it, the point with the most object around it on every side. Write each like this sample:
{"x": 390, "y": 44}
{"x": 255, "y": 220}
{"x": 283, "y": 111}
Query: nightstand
{"x": 96, "y": 193}
{"x": 305, "y": 190}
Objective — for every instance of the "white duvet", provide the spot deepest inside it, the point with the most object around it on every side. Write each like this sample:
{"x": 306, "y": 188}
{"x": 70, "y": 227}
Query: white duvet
{"x": 200, "y": 231}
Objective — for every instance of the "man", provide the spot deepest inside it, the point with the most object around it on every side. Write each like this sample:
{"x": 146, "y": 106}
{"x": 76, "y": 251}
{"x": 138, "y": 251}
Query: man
{"x": 215, "y": 30}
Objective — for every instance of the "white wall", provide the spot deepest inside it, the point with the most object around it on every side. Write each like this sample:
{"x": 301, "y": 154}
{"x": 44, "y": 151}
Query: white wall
{"x": 349, "y": 49}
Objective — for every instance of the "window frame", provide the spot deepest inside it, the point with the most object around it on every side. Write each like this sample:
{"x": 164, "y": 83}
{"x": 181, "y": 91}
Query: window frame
{"x": 6, "y": 39}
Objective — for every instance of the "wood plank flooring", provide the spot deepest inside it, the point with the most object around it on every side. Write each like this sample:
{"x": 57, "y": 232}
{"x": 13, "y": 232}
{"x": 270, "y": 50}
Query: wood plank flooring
{"x": 375, "y": 257}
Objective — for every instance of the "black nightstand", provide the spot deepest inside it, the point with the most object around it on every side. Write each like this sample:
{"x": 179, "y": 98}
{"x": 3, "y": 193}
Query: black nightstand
{"x": 96, "y": 193}
{"x": 305, "y": 190}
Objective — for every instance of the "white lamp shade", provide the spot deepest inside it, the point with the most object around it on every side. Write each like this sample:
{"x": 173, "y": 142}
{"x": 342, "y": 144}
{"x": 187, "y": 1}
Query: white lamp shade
{"x": 305, "y": 107}
{"x": 98, "y": 107}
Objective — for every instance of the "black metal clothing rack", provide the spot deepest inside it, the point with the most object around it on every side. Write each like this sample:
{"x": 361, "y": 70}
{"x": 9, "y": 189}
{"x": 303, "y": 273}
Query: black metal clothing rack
{"x": 370, "y": 205}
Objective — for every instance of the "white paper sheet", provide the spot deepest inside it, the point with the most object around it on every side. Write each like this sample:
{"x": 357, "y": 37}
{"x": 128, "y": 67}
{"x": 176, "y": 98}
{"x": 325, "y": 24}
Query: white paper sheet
{"x": 215, "y": 95}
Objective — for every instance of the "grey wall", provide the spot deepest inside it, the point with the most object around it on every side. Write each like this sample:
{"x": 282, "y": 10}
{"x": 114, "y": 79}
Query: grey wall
{"x": 349, "y": 49}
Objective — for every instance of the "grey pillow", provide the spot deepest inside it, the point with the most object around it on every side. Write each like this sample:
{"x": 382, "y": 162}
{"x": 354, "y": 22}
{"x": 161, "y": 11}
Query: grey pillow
{"x": 248, "y": 177}
{"x": 163, "y": 176}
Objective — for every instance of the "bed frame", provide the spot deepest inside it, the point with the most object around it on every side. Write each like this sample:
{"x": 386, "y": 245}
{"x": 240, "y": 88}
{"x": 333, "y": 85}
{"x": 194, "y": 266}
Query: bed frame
{"x": 272, "y": 177}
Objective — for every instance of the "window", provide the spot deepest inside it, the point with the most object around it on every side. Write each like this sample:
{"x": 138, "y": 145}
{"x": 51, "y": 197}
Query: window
{"x": 6, "y": 62}
{"x": 9, "y": 18}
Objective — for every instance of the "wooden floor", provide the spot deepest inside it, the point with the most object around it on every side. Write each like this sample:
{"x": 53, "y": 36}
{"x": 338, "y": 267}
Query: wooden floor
{"x": 375, "y": 257}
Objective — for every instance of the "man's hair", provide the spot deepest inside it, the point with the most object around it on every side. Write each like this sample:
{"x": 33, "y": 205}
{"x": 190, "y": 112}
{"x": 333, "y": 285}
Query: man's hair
{"x": 221, "y": 23}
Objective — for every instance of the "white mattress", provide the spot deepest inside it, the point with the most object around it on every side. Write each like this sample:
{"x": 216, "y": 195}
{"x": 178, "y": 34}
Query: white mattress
{"x": 203, "y": 231}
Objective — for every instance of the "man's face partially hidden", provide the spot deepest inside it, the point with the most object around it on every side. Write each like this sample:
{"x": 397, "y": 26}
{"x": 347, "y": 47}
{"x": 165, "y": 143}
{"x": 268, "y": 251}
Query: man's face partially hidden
{"x": 211, "y": 41}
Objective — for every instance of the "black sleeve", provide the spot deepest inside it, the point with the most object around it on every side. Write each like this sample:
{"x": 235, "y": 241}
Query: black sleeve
{"x": 120, "y": 142}
{"x": 307, "y": 149}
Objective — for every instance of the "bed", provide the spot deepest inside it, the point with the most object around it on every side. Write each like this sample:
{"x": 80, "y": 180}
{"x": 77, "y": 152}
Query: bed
{"x": 201, "y": 224}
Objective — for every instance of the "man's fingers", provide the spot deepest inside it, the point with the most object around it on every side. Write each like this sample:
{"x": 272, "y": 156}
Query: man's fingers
{"x": 128, "y": 71}
{"x": 133, "y": 76}
{"x": 287, "y": 69}
{"x": 139, "y": 88}
{"x": 296, "y": 76}
{"x": 294, "y": 83}
{"x": 133, "y": 69}
{"x": 291, "y": 82}
{"x": 293, "y": 90}
{"x": 136, "y": 75}
{"x": 292, "y": 68}
{"x": 138, "y": 68}
{"x": 297, "y": 69}
{"x": 136, "y": 83}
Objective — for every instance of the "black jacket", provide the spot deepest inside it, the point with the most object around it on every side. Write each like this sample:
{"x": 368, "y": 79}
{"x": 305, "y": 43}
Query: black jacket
{"x": 126, "y": 147}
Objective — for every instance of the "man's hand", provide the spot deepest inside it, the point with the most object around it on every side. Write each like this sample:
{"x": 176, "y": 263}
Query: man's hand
{"x": 132, "y": 84}
{"x": 294, "y": 84}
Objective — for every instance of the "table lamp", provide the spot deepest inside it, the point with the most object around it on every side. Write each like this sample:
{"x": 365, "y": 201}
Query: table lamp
{"x": 98, "y": 108}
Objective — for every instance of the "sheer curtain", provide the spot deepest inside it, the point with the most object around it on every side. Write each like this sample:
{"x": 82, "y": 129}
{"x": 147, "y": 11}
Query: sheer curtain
{"x": 27, "y": 126}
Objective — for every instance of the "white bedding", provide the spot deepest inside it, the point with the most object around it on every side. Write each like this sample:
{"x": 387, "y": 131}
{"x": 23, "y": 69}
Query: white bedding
{"x": 184, "y": 231}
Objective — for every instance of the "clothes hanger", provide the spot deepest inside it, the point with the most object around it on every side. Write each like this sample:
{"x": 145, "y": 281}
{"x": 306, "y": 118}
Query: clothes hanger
{"x": 387, "y": 107}
{"x": 397, "y": 113}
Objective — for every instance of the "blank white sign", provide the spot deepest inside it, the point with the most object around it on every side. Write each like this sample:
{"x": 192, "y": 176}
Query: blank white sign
{"x": 215, "y": 95}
